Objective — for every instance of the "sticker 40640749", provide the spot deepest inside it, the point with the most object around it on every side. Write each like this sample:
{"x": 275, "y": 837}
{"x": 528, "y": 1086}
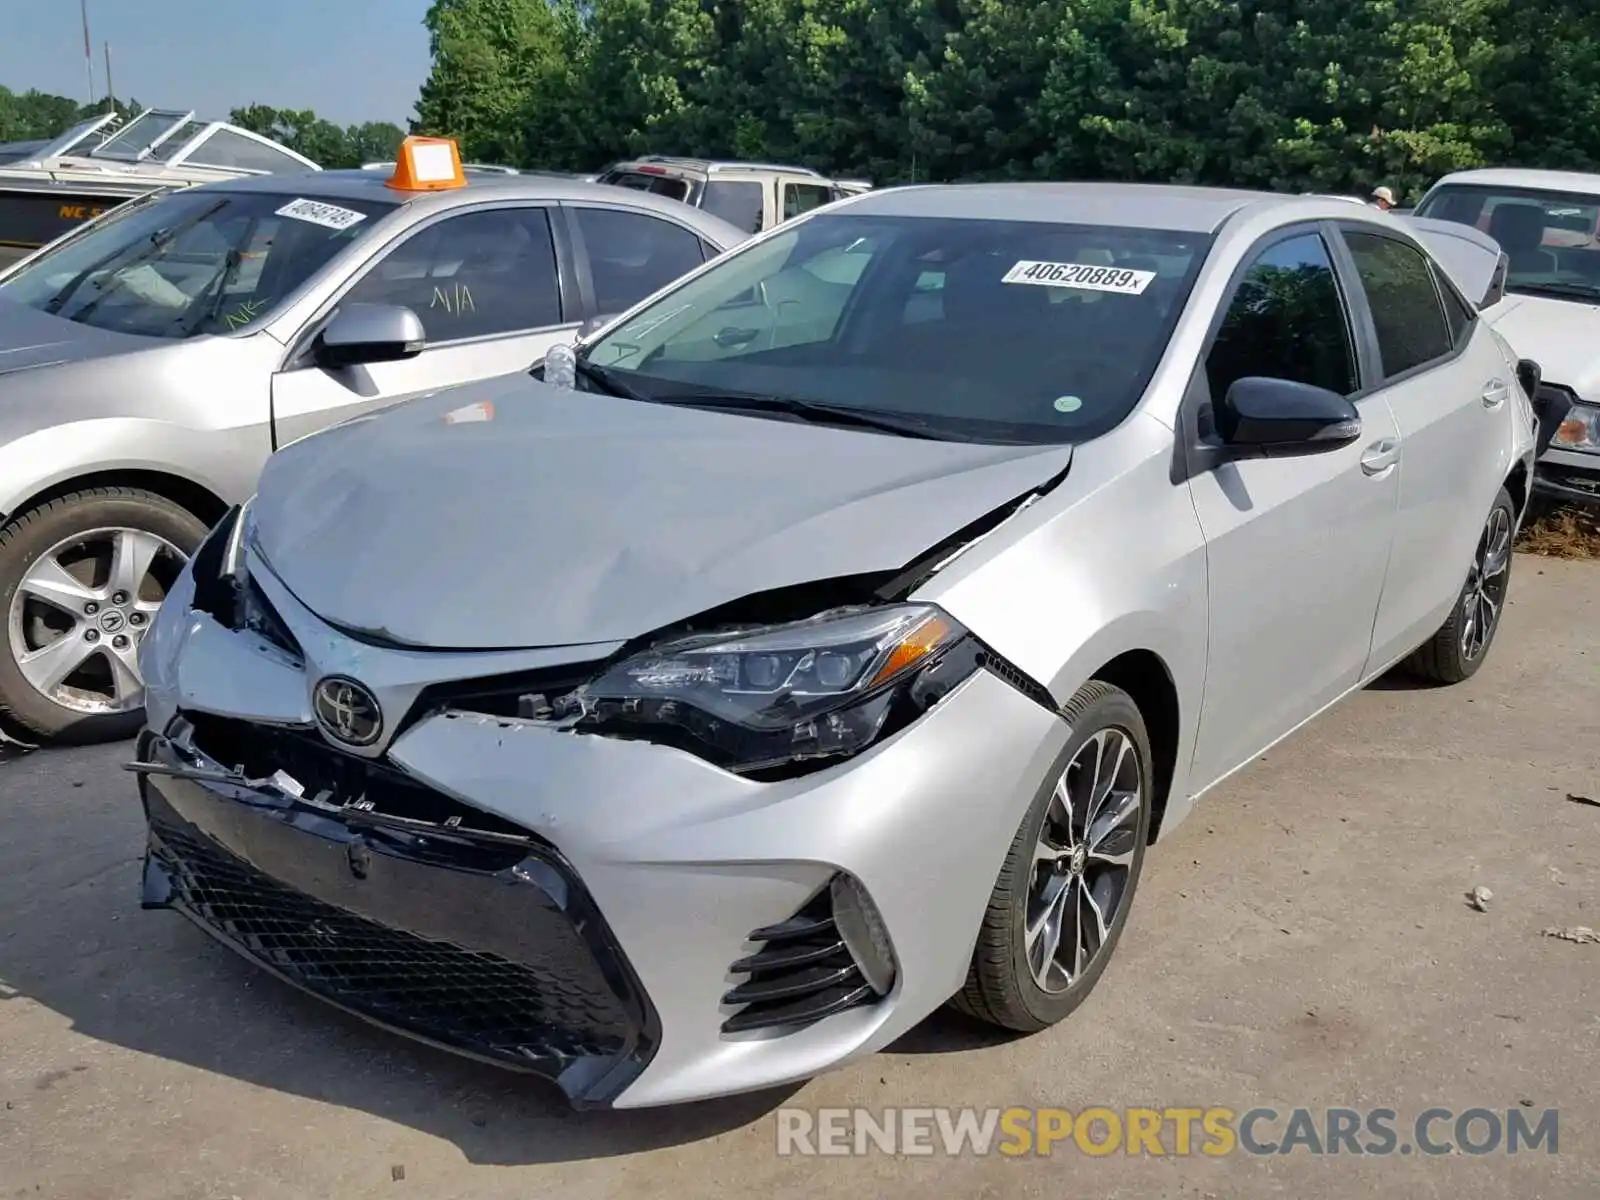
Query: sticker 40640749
{"x": 1085, "y": 276}
{"x": 318, "y": 212}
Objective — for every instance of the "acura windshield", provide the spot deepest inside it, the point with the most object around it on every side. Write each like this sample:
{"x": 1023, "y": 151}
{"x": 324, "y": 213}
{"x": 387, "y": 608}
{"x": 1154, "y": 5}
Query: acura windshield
{"x": 1549, "y": 238}
{"x": 968, "y": 329}
{"x": 190, "y": 263}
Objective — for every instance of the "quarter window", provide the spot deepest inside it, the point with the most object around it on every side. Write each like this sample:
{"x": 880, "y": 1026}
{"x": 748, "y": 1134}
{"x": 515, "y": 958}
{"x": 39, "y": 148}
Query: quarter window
{"x": 1406, "y": 310}
{"x": 632, "y": 255}
{"x": 1286, "y": 321}
{"x": 478, "y": 274}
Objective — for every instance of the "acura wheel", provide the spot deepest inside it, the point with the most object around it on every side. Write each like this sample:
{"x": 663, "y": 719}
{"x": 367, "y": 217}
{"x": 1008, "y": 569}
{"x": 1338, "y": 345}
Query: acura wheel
{"x": 81, "y": 579}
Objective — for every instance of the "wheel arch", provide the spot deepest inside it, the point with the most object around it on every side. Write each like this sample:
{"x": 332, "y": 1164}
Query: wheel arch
{"x": 1519, "y": 484}
{"x": 188, "y": 494}
{"x": 1145, "y": 676}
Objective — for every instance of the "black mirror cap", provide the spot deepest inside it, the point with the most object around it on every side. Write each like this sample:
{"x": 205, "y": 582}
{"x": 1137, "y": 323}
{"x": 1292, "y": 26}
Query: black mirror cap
{"x": 1280, "y": 416}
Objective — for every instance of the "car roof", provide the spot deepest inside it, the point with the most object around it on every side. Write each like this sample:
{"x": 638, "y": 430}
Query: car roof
{"x": 358, "y": 184}
{"x": 1526, "y": 177}
{"x": 707, "y": 165}
{"x": 1126, "y": 205}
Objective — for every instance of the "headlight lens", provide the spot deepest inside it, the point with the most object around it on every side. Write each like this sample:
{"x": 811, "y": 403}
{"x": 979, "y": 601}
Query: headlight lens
{"x": 1580, "y": 430}
{"x": 759, "y": 698}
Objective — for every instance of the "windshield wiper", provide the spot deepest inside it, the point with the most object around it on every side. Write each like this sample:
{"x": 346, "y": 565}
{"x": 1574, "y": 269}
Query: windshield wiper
{"x": 604, "y": 379}
{"x": 1575, "y": 291}
{"x": 817, "y": 412}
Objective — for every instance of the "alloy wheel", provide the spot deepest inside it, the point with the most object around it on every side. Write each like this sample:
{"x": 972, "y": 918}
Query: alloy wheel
{"x": 1083, "y": 859}
{"x": 1487, "y": 584}
{"x": 81, "y": 611}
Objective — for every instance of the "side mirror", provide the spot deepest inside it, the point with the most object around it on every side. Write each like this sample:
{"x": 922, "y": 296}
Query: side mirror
{"x": 595, "y": 324}
{"x": 1496, "y": 290}
{"x": 1279, "y": 416}
{"x": 370, "y": 333}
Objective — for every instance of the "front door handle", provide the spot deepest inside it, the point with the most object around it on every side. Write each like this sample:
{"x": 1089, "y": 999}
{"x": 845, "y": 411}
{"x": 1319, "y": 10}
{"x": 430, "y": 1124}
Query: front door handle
{"x": 1495, "y": 393}
{"x": 1380, "y": 456}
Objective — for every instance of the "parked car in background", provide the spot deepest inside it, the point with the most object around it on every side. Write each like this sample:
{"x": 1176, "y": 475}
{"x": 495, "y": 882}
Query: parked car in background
{"x": 150, "y": 363}
{"x": 1546, "y": 221}
{"x": 838, "y": 649}
{"x": 752, "y": 196}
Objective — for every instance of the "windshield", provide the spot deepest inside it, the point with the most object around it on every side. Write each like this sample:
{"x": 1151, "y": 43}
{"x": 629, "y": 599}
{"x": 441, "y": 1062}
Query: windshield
{"x": 1548, "y": 237}
{"x": 980, "y": 330}
{"x": 190, "y": 263}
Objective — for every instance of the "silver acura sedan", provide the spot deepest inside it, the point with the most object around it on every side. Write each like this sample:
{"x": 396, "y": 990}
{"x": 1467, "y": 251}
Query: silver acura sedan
{"x": 150, "y": 362}
{"x": 835, "y": 645}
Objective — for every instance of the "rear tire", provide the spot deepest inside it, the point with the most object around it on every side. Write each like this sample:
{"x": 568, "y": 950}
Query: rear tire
{"x": 1012, "y": 982}
{"x": 84, "y": 575}
{"x": 1458, "y": 649}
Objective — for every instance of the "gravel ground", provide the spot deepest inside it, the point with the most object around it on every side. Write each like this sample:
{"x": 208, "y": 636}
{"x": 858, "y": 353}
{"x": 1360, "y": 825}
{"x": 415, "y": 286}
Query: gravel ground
{"x": 1306, "y": 939}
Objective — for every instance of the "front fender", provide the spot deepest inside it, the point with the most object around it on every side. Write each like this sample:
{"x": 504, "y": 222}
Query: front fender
{"x": 225, "y": 462}
{"x": 1113, "y": 561}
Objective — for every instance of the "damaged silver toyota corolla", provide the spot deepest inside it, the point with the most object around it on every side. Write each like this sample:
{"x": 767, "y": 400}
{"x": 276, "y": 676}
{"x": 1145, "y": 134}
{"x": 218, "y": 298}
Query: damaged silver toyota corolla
{"x": 835, "y": 644}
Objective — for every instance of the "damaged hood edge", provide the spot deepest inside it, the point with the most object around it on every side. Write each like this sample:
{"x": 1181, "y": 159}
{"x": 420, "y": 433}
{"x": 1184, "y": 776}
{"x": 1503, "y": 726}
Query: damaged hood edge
{"x": 570, "y": 518}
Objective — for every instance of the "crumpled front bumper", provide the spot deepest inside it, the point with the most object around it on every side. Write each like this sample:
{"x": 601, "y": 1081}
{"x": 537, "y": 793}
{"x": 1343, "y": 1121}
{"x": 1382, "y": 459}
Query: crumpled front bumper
{"x": 680, "y": 861}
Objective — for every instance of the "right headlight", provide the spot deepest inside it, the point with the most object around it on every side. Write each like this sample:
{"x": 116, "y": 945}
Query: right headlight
{"x": 1579, "y": 430}
{"x": 755, "y": 699}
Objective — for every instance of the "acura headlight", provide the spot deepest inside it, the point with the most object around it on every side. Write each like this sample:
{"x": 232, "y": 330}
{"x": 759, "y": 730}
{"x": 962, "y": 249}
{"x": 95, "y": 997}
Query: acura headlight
{"x": 758, "y": 698}
{"x": 1579, "y": 430}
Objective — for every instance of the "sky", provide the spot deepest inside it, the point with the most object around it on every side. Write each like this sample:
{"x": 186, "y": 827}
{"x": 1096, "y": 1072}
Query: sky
{"x": 349, "y": 60}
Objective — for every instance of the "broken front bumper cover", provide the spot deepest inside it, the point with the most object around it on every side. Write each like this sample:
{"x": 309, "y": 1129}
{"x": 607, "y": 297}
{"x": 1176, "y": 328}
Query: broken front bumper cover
{"x": 475, "y": 944}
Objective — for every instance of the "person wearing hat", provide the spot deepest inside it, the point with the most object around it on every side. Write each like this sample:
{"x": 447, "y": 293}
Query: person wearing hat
{"x": 1382, "y": 198}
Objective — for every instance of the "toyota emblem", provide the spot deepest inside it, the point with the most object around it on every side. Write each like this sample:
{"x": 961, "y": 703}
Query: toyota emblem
{"x": 347, "y": 712}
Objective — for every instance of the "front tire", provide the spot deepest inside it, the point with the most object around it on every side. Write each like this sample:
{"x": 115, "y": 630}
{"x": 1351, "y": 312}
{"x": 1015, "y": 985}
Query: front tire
{"x": 81, "y": 579}
{"x": 1458, "y": 649}
{"x": 1063, "y": 895}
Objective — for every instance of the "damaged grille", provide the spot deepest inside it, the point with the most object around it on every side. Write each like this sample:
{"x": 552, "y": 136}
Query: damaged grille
{"x": 553, "y": 1007}
{"x": 801, "y": 973}
{"x": 257, "y": 751}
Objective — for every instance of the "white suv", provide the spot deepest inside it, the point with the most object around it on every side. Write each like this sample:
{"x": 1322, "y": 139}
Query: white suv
{"x": 751, "y": 196}
{"x": 1548, "y": 224}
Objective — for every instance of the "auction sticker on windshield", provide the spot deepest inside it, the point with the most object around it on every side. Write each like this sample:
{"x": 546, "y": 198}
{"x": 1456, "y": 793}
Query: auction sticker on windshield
{"x": 329, "y": 216}
{"x": 1084, "y": 276}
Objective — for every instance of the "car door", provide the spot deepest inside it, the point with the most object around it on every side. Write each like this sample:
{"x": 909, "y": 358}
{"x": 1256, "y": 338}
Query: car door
{"x": 1448, "y": 385}
{"x": 488, "y": 285}
{"x": 1296, "y": 547}
{"x": 623, "y": 255}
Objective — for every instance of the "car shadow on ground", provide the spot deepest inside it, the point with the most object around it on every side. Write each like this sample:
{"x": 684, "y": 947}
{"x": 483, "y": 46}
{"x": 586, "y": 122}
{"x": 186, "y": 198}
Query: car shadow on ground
{"x": 74, "y": 940}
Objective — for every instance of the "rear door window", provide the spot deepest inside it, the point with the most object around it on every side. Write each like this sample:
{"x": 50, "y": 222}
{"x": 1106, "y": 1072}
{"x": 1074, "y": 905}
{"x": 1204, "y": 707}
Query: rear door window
{"x": 740, "y": 202}
{"x": 633, "y": 254}
{"x": 1406, "y": 309}
{"x": 799, "y": 198}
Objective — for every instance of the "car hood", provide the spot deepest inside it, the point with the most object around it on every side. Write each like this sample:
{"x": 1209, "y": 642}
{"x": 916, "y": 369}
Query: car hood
{"x": 514, "y": 514}
{"x": 1560, "y": 335}
{"x": 30, "y": 339}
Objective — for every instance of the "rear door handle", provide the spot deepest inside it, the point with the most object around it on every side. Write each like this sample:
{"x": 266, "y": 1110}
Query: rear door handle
{"x": 1380, "y": 456}
{"x": 1495, "y": 393}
